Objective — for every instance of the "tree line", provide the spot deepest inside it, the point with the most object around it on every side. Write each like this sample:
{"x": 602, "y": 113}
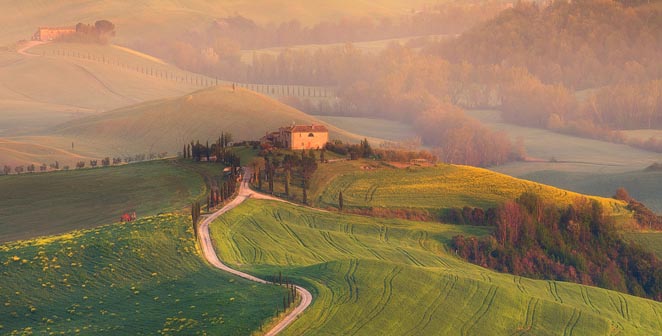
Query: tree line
{"x": 581, "y": 44}
{"x": 105, "y": 162}
{"x": 579, "y": 243}
{"x": 100, "y": 32}
{"x": 289, "y": 169}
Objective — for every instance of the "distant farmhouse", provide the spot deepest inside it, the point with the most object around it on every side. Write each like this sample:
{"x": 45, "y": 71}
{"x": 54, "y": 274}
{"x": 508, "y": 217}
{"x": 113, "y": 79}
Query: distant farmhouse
{"x": 52, "y": 33}
{"x": 299, "y": 137}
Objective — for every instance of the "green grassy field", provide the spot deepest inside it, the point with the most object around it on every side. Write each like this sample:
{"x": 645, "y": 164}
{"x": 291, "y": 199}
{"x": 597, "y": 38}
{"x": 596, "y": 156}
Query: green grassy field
{"x": 649, "y": 240}
{"x": 432, "y": 188}
{"x": 52, "y": 203}
{"x": 144, "y": 277}
{"x": 391, "y": 277}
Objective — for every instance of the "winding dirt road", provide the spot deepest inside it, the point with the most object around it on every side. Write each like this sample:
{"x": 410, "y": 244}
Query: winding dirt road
{"x": 208, "y": 251}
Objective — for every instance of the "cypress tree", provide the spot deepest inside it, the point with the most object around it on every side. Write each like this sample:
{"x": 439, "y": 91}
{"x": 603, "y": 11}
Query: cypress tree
{"x": 340, "y": 200}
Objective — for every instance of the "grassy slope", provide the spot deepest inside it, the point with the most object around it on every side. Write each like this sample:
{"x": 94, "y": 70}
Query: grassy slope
{"x": 433, "y": 188}
{"x": 649, "y": 240}
{"x": 49, "y": 88}
{"x": 144, "y": 277}
{"x": 161, "y": 18}
{"x": 52, "y": 203}
{"x": 644, "y": 186}
{"x": 376, "y": 276}
{"x": 167, "y": 124}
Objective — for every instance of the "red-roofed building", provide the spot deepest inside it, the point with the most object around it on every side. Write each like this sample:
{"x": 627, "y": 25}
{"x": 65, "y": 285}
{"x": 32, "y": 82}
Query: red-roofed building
{"x": 52, "y": 33}
{"x": 299, "y": 137}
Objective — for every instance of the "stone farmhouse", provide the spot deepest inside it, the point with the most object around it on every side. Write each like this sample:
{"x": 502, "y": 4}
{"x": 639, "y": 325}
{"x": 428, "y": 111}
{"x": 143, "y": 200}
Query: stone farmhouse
{"x": 51, "y": 33}
{"x": 299, "y": 137}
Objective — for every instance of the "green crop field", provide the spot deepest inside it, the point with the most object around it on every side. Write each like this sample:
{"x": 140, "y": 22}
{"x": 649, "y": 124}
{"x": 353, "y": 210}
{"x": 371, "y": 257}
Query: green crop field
{"x": 51, "y": 203}
{"x": 392, "y": 277}
{"x": 144, "y": 277}
{"x": 432, "y": 188}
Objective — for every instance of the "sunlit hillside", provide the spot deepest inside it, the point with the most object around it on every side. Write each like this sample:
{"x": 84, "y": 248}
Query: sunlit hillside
{"x": 167, "y": 124}
{"x": 57, "y": 82}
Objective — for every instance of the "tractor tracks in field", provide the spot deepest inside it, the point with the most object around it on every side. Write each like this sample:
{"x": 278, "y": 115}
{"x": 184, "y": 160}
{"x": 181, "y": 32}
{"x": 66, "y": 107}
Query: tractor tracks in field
{"x": 210, "y": 254}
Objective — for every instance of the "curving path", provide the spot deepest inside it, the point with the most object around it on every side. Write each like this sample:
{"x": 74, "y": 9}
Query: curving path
{"x": 210, "y": 254}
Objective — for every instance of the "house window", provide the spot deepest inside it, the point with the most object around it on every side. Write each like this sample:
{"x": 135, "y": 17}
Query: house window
{"x": 310, "y": 135}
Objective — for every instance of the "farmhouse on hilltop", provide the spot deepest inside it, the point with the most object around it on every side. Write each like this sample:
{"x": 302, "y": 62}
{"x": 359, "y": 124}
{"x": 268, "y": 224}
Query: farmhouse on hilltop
{"x": 52, "y": 33}
{"x": 299, "y": 137}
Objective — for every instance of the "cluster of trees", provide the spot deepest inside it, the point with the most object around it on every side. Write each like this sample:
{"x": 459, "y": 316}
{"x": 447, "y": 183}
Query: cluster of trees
{"x": 536, "y": 239}
{"x": 216, "y": 49}
{"x": 218, "y": 151}
{"x": 354, "y": 151}
{"x": 105, "y": 162}
{"x": 627, "y": 106}
{"x": 464, "y": 140}
{"x": 470, "y": 216}
{"x": 221, "y": 188}
{"x": 101, "y": 32}
{"x": 582, "y": 44}
{"x": 31, "y": 168}
{"x": 288, "y": 169}
{"x": 646, "y": 218}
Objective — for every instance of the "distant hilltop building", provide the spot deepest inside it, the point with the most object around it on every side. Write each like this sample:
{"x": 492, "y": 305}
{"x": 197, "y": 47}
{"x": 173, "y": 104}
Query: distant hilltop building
{"x": 52, "y": 33}
{"x": 299, "y": 137}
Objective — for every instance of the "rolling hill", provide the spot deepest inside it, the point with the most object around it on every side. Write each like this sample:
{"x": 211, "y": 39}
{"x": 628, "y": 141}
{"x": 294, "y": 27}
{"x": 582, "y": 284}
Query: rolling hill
{"x": 385, "y": 276}
{"x": 167, "y": 124}
{"x": 57, "y": 82}
{"x": 433, "y": 189}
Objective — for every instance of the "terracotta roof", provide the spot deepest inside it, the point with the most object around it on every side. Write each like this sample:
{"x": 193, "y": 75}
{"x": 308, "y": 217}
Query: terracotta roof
{"x": 307, "y": 128}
